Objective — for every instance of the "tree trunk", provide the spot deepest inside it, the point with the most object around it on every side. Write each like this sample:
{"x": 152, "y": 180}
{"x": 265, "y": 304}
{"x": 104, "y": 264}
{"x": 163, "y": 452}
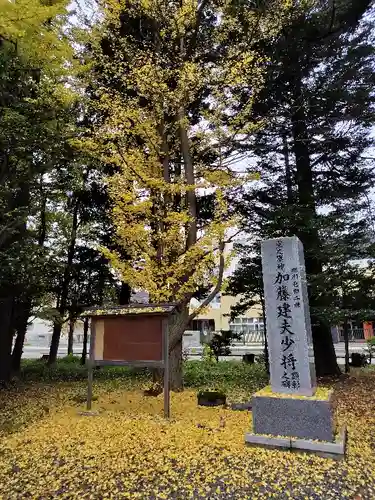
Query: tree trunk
{"x": 346, "y": 341}
{"x": 175, "y": 369}
{"x": 324, "y": 351}
{"x": 22, "y": 322}
{"x": 125, "y": 294}
{"x": 54, "y": 347}
{"x": 325, "y": 356}
{"x": 64, "y": 292}
{"x": 70, "y": 335}
{"x": 18, "y": 348}
{"x": 176, "y": 329}
{"x": 24, "y": 309}
{"x": 19, "y": 202}
{"x": 175, "y": 372}
{"x": 6, "y": 339}
{"x": 85, "y": 338}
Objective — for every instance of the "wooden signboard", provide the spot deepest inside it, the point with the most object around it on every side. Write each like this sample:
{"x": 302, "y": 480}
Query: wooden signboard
{"x": 134, "y": 335}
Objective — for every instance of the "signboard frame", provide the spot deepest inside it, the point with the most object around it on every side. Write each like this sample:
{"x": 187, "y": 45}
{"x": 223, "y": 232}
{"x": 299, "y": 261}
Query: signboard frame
{"x": 164, "y": 311}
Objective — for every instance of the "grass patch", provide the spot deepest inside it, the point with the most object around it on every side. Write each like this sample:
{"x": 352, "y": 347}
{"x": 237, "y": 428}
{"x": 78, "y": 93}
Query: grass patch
{"x": 225, "y": 376}
{"x": 53, "y": 387}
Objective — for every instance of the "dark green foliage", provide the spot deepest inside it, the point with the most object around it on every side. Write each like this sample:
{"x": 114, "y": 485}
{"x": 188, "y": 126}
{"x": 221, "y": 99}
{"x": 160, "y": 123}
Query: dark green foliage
{"x": 370, "y": 347}
{"x": 222, "y": 342}
{"x": 225, "y": 374}
{"x": 318, "y": 103}
{"x": 69, "y": 369}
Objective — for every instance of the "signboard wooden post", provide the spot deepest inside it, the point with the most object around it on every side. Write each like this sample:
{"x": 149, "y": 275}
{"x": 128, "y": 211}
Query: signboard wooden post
{"x": 133, "y": 335}
{"x": 166, "y": 368}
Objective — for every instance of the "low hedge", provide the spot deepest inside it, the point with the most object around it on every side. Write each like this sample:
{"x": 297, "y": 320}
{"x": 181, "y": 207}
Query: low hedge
{"x": 197, "y": 374}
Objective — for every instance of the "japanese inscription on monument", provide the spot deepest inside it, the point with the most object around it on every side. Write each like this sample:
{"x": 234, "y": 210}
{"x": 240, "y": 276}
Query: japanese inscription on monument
{"x": 287, "y": 316}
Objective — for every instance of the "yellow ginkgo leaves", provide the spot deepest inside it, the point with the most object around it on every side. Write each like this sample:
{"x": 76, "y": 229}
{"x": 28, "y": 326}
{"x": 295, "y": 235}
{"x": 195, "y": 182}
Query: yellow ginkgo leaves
{"x": 129, "y": 451}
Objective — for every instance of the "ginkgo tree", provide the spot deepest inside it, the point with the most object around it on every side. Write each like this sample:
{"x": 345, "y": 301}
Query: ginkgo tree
{"x": 164, "y": 78}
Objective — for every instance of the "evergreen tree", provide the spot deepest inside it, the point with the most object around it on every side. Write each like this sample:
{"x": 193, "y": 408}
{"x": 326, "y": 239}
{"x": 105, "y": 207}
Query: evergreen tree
{"x": 33, "y": 51}
{"x": 318, "y": 104}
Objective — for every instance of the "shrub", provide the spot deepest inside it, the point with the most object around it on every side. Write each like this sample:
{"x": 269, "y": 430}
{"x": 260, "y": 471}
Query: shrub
{"x": 70, "y": 358}
{"x": 208, "y": 356}
{"x": 225, "y": 374}
{"x": 197, "y": 374}
{"x": 222, "y": 342}
{"x": 370, "y": 347}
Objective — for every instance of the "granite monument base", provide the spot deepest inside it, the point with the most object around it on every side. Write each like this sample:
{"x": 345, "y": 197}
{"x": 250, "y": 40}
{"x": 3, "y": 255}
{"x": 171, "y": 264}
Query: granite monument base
{"x": 295, "y": 416}
{"x": 296, "y": 423}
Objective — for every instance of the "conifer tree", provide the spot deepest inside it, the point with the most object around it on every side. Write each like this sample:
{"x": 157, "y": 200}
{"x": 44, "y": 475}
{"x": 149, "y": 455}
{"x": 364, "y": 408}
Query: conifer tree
{"x": 319, "y": 105}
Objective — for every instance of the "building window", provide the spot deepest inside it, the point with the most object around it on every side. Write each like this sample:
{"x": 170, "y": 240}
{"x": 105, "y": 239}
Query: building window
{"x": 202, "y": 325}
{"x": 216, "y": 302}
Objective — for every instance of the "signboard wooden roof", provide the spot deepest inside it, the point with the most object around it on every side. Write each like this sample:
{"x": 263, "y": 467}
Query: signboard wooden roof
{"x": 130, "y": 310}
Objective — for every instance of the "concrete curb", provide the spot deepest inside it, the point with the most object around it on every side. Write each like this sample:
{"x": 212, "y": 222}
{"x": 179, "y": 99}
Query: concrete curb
{"x": 335, "y": 450}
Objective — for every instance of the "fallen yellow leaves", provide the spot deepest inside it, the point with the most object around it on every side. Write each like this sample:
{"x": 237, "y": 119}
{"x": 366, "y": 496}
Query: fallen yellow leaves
{"x": 129, "y": 451}
{"x": 322, "y": 393}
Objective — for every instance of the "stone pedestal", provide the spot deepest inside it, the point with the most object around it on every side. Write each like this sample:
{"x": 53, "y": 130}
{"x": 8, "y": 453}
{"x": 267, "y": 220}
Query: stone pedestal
{"x": 296, "y": 423}
{"x": 306, "y": 418}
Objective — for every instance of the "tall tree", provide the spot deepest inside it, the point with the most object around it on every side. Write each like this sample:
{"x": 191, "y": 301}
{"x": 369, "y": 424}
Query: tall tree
{"x": 32, "y": 53}
{"x": 319, "y": 102}
{"x": 176, "y": 67}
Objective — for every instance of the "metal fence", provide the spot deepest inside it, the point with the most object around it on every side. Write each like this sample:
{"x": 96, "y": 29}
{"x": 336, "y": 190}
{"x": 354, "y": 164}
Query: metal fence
{"x": 355, "y": 334}
{"x": 253, "y": 337}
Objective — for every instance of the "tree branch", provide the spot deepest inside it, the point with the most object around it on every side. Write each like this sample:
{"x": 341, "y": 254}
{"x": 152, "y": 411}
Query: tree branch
{"x": 217, "y": 287}
{"x": 177, "y": 335}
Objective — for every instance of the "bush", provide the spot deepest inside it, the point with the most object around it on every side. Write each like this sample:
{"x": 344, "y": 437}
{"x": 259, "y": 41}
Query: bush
{"x": 222, "y": 342}
{"x": 225, "y": 374}
{"x": 197, "y": 374}
{"x": 69, "y": 369}
{"x": 261, "y": 358}
{"x": 208, "y": 355}
{"x": 358, "y": 359}
{"x": 70, "y": 358}
{"x": 370, "y": 345}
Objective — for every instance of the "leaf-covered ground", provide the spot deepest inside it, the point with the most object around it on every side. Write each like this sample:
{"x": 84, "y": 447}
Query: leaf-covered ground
{"x": 129, "y": 451}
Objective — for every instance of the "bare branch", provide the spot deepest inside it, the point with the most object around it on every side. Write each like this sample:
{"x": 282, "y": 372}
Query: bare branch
{"x": 217, "y": 287}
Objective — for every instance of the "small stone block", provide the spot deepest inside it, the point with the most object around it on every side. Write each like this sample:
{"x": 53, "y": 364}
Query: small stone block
{"x": 88, "y": 413}
{"x": 294, "y": 417}
{"x": 304, "y": 444}
{"x": 271, "y": 442}
{"x": 241, "y": 406}
{"x": 335, "y": 451}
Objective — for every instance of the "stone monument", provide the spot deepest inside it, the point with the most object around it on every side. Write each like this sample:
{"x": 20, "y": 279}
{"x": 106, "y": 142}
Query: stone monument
{"x": 291, "y": 407}
{"x": 288, "y": 318}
